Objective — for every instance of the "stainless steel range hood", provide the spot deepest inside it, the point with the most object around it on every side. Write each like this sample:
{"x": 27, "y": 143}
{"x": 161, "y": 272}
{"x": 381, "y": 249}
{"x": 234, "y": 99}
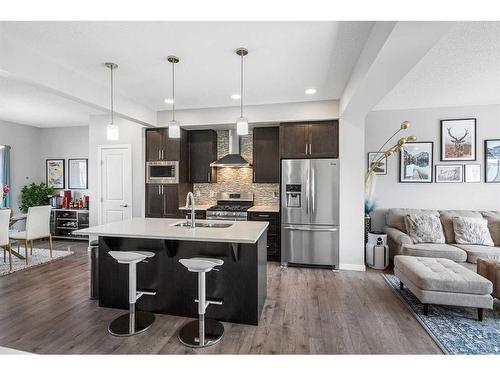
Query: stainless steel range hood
{"x": 233, "y": 159}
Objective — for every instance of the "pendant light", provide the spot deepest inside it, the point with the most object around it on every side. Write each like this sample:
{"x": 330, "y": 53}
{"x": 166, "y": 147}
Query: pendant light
{"x": 241, "y": 122}
{"x": 112, "y": 131}
{"x": 174, "y": 129}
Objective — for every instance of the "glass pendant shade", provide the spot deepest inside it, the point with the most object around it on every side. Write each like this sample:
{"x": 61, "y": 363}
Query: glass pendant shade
{"x": 174, "y": 130}
{"x": 112, "y": 132}
{"x": 242, "y": 126}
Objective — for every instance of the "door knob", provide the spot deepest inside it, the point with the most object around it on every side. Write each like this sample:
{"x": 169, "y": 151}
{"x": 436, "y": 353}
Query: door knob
{"x": 124, "y": 205}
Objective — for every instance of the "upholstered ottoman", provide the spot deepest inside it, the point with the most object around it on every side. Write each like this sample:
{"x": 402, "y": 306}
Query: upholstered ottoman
{"x": 443, "y": 282}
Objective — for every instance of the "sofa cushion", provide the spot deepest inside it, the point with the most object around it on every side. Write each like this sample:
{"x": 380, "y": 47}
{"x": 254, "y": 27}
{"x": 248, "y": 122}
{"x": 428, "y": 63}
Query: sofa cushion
{"x": 493, "y": 218}
{"x": 472, "y": 231}
{"x": 441, "y": 275}
{"x": 447, "y": 221}
{"x": 423, "y": 228}
{"x": 395, "y": 217}
{"x": 479, "y": 251}
{"x": 433, "y": 250}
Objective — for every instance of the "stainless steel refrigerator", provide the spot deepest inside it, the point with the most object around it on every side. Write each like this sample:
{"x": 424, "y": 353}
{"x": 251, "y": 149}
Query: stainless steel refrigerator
{"x": 310, "y": 212}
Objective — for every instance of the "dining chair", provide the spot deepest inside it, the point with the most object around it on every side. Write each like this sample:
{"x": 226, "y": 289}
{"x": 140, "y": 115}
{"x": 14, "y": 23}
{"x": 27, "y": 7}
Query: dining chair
{"x": 37, "y": 228}
{"x": 4, "y": 234}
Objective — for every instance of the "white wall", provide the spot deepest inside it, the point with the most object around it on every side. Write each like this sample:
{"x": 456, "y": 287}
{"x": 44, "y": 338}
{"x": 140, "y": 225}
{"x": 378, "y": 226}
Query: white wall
{"x": 130, "y": 133}
{"x": 351, "y": 135}
{"x": 425, "y": 124}
{"x": 63, "y": 143}
{"x": 303, "y": 111}
{"x": 24, "y": 156}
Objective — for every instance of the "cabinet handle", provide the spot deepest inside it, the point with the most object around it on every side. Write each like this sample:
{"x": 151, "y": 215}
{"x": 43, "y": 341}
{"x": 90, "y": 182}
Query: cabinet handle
{"x": 159, "y": 189}
{"x": 253, "y": 176}
{"x": 264, "y": 215}
{"x": 306, "y": 148}
{"x": 159, "y": 154}
{"x": 208, "y": 177}
{"x": 162, "y": 155}
{"x": 310, "y": 148}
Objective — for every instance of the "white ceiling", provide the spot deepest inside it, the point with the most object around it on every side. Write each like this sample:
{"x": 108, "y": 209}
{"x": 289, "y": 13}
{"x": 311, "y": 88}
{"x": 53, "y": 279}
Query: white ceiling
{"x": 284, "y": 58}
{"x": 462, "y": 69}
{"x": 26, "y": 104}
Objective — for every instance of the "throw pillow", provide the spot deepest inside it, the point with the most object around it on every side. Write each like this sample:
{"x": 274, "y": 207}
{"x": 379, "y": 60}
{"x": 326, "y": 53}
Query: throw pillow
{"x": 424, "y": 228}
{"x": 472, "y": 231}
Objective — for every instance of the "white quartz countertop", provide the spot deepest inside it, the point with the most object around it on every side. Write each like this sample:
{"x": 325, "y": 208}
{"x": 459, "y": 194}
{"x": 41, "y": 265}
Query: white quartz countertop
{"x": 265, "y": 208}
{"x": 238, "y": 232}
{"x": 197, "y": 207}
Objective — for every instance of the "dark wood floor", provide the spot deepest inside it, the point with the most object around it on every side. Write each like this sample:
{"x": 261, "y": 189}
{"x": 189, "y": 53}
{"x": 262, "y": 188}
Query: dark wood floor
{"x": 46, "y": 309}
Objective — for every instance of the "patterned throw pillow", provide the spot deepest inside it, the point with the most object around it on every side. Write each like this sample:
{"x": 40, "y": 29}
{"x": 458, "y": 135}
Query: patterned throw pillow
{"x": 424, "y": 228}
{"x": 472, "y": 231}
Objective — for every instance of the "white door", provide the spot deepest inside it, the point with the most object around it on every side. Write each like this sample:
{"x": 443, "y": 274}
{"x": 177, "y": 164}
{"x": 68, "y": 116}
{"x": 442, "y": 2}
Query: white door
{"x": 115, "y": 183}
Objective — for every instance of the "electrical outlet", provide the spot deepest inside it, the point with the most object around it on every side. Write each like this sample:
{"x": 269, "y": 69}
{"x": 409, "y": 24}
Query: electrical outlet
{"x": 275, "y": 194}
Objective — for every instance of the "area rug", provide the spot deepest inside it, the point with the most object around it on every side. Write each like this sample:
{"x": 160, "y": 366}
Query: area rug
{"x": 40, "y": 256}
{"x": 455, "y": 330}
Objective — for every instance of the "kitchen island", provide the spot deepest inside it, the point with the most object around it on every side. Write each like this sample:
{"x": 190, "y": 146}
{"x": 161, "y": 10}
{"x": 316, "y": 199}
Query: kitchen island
{"x": 240, "y": 283}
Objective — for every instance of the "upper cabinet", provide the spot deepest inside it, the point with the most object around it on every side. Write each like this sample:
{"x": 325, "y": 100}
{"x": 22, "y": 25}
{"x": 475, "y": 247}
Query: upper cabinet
{"x": 309, "y": 140}
{"x": 202, "y": 152}
{"x": 160, "y": 147}
{"x": 266, "y": 155}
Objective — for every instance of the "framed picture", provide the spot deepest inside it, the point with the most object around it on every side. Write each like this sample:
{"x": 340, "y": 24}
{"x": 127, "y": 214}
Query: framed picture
{"x": 54, "y": 173}
{"x": 449, "y": 173}
{"x": 381, "y": 167}
{"x": 415, "y": 162}
{"x": 472, "y": 172}
{"x": 492, "y": 160}
{"x": 78, "y": 174}
{"x": 458, "y": 140}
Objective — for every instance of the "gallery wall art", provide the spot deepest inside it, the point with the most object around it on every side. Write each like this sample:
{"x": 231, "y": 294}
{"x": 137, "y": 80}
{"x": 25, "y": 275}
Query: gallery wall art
{"x": 415, "y": 162}
{"x": 458, "y": 140}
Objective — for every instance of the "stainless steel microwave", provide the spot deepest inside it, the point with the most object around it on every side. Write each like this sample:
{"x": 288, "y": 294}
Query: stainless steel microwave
{"x": 162, "y": 172}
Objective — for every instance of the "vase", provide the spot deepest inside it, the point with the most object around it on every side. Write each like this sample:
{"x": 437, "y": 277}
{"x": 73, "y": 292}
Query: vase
{"x": 368, "y": 226}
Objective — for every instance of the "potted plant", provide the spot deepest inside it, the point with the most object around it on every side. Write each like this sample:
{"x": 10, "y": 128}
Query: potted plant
{"x": 35, "y": 195}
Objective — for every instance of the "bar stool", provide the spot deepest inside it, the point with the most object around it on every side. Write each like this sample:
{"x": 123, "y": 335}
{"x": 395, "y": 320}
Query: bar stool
{"x": 201, "y": 333}
{"x": 133, "y": 322}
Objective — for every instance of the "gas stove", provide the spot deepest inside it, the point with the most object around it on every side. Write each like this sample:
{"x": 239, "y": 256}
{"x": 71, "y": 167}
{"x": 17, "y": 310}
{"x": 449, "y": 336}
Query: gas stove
{"x": 231, "y": 206}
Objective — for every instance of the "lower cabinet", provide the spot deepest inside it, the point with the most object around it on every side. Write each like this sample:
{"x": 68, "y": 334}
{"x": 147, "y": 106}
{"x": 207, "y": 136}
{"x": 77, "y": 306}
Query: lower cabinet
{"x": 198, "y": 214}
{"x": 273, "y": 233}
{"x": 162, "y": 200}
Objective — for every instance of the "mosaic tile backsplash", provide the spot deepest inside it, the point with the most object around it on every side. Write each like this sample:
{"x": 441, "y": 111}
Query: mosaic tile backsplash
{"x": 236, "y": 179}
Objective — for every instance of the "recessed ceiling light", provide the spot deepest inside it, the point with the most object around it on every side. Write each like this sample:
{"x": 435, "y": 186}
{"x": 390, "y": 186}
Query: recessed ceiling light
{"x": 236, "y": 96}
{"x": 311, "y": 91}
{"x": 169, "y": 101}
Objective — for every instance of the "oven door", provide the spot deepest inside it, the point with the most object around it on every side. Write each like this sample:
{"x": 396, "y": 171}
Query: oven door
{"x": 162, "y": 172}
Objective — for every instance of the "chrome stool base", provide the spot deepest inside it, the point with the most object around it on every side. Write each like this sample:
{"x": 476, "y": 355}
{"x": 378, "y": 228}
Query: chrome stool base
{"x": 121, "y": 326}
{"x": 189, "y": 334}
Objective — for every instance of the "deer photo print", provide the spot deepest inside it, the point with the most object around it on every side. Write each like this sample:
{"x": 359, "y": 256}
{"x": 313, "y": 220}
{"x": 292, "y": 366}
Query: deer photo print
{"x": 458, "y": 139}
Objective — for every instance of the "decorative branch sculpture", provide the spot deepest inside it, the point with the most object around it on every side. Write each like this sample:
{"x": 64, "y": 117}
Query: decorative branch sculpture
{"x": 370, "y": 176}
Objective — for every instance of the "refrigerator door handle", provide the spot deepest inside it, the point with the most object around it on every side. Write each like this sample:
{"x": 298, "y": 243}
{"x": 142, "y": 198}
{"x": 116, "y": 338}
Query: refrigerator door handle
{"x": 311, "y": 229}
{"x": 313, "y": 190}
{"x": 307, "y": 193}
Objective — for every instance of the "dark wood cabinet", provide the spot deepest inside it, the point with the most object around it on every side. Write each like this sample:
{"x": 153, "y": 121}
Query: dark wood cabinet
{"x": 154, "y": 144}
{"x": 198, "y": 214}
{"x": 154, "y": 200}
{"x": 266, "y": 155}
{"x": 160, "y": 147}
{"x": 273, "y": 233}
{"x": 202, "y": 152}
{"x": 294, "y": 140}
{"x": 309, "y": 140}
{"x": 324, "y": 139}
{"x": 162, "y": 201}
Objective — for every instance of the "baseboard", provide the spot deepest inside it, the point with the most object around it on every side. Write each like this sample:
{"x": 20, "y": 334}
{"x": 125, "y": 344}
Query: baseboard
{"x": 352, "y": 267}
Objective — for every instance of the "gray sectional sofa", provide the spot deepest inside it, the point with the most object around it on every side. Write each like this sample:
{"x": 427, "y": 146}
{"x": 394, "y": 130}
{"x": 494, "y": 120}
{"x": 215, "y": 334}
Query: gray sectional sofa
{"x": 400, "y": 242}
